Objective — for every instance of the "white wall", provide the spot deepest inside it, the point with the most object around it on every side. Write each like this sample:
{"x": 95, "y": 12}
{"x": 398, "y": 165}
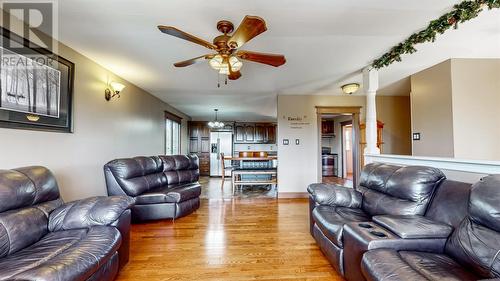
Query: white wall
{"x": 129, "y": 126}
{"x": 299, "y": 165}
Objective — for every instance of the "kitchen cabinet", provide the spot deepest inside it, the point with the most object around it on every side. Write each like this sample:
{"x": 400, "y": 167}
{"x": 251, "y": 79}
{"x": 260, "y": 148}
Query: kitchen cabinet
{"x": 255, "y": 133}
{"x": 271, "y": 133}
{"x": 327, "y": 127}
{"x": 199, "y": 144}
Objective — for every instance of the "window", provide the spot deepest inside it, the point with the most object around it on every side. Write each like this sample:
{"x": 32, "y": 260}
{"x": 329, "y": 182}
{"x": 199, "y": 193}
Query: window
{"x": 173, "y": 134}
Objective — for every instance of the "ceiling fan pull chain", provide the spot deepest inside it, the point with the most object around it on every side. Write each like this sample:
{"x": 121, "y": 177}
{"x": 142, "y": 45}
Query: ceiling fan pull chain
{"x": 226, "y": 81}
{"x": 218, "y": 80}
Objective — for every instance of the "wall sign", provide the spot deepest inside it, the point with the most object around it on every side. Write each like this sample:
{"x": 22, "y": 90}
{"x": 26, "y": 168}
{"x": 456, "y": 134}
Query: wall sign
{"x": 297, "y": 121}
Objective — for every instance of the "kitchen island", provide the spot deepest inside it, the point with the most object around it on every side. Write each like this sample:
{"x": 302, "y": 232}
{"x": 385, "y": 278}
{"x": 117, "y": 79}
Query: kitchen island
{"x": 254, "y": 171}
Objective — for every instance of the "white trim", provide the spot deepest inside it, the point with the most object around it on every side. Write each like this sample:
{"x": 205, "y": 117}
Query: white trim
{"x": 452, "y": 164}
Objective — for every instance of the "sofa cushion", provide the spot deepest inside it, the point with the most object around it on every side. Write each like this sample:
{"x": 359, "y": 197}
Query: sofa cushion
{"x": 331, "y": 220}
{"x": 63, "y": 255}
{"x": 170, "y": 194}
{"x": 387, "y": 264}
{"x": 395, "y": 190}
{"x": 335, "y": 195}
{"x": 137, "y": 175}
{"x": 475, "y": 242}
{"x": 26, "y": 186}
{"x": 180, "y": 169}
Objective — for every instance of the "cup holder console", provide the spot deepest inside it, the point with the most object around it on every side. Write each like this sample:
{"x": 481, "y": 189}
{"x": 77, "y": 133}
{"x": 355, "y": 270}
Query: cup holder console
{"x": 365, "y": 225}
{"x": 378, "y": 234}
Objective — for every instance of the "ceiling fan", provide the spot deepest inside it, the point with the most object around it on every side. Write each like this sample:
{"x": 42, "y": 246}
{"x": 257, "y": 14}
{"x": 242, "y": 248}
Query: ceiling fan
{"x": 226, "y": 59}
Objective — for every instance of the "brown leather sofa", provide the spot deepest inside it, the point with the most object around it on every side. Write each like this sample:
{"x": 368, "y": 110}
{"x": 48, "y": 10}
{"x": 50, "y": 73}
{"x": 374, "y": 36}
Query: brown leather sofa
{"x": 41, "y": 238}
{"x": 162, "y": 186}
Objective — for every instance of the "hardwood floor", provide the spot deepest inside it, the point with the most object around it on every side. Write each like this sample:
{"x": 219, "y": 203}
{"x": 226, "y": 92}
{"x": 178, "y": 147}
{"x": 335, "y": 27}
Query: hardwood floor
{"x": 229, "y": 239}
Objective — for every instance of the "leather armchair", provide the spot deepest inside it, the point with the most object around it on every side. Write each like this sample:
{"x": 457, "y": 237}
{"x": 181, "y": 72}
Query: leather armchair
{"x": 162, "y": 186}
{"x": 41, "y": 238}
{"x": 383, "y": 190}
{"x": 471, "y": 252}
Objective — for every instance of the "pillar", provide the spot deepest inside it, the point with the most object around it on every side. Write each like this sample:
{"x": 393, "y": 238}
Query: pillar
{"x": 370, "y": 85}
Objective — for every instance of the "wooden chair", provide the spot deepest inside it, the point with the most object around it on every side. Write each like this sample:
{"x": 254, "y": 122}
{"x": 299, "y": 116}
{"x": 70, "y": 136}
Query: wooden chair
{"x": 224, "y": 169}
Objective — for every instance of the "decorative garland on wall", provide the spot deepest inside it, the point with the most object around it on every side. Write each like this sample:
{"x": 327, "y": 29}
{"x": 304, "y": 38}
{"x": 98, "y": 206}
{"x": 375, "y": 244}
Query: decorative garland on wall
{"x": 461, "y": 13}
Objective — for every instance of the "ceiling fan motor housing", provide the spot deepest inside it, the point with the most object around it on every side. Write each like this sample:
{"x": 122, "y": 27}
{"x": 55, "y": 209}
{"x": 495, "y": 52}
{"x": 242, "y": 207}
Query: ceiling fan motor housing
{"x": 225, "y": 26}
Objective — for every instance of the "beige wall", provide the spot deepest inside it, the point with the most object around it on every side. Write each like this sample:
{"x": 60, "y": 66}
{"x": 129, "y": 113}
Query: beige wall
{"x": 395, "y": 113}
{"x": 431, "y": 109}
{"x": 299, "y": 165}
{"x": 476, "y": 108}
{"x": 129, "y": 126}
{"x": 455, "y": 108}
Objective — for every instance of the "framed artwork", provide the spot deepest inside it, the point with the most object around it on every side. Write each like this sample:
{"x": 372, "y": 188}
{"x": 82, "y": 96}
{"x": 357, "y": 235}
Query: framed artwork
{"x": 36, "y": 86}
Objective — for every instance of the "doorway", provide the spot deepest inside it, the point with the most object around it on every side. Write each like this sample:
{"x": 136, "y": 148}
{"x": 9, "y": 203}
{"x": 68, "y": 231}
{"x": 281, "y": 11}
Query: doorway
{"x": 347, "y": 153}
{"x": 339, "y": 145}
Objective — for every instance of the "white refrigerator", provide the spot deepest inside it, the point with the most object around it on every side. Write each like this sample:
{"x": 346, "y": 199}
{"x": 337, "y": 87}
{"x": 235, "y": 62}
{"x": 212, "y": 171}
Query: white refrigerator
{"x": 220, "y": 142}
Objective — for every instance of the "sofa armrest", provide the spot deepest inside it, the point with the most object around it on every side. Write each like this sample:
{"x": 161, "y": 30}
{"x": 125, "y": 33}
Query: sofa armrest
{"x": 413, "y": 226}
{"x": 335, "y": 195}
{"x": 89, "y": 212}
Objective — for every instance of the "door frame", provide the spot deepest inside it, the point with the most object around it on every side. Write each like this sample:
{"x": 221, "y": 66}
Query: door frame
{"x": 355, "y": 111}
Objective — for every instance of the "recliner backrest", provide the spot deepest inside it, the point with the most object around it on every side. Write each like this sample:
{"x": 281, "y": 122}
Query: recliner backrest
{"x": 397, "y": 190}
{"x": 476, "y": 242}
{"x": 134, "y": 175}
{"x": 27, "y": 196}
{"x": 180, "y": 169}
{"x": 450, "y": 202}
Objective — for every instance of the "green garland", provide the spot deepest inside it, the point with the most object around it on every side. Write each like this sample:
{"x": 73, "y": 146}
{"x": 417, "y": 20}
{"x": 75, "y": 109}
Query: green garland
{"x": 461, "y": 12}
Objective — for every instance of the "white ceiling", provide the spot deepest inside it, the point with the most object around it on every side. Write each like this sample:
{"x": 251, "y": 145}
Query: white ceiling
{"x": 325, "y": 42}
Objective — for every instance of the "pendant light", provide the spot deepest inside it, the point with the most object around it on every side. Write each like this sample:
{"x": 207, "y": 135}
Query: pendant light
{"x": 216, "y": 124}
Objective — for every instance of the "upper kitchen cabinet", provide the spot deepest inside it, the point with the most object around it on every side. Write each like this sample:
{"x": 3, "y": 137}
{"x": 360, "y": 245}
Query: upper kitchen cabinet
{"x": 255, "y": 133}
{"x": 327, "y": 127}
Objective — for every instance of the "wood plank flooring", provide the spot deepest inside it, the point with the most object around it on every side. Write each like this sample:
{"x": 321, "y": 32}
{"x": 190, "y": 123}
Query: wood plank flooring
{"x": 229, "y": 239}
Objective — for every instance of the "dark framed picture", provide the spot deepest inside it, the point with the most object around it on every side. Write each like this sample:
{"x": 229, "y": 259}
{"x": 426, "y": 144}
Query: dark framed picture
{"x": 36, "y": 86}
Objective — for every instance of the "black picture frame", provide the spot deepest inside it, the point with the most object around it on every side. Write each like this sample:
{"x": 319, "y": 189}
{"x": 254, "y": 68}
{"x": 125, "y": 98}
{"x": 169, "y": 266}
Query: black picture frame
{"x": 19, "y": 120}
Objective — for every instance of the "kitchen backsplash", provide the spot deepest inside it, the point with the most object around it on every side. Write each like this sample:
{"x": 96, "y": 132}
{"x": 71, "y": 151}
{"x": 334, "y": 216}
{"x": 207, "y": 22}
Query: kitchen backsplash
{"x": 255, "y": 147}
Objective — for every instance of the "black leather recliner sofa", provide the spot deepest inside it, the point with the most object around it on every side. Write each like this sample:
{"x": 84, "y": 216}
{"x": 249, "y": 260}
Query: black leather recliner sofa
{"x": 471, "y": 252}
{"x": 383, "y": 190}
{"x": 162, "y": 186}
{"x": 41, "y": 238}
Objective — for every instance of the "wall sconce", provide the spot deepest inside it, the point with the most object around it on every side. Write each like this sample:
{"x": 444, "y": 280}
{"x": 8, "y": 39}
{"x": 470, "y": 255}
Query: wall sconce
{"x": 350, "y": 88}
{"x": 113, "y": 89}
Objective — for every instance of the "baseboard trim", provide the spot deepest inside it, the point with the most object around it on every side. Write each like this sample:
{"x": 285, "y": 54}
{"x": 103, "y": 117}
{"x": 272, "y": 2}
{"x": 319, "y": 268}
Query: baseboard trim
{"x": 291, "y": 195}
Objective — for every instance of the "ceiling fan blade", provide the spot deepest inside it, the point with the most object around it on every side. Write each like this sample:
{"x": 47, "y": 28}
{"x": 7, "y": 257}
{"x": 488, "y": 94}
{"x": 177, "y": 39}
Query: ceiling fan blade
{"x": 192, "y": 61}
{"x": 270, "y": 59}
{"x": 250, "y": 27}
{"x": 170, "y": 30}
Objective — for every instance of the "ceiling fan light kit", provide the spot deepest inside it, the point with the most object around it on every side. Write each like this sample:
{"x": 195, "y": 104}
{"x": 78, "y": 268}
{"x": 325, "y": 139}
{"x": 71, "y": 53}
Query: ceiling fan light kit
{"x": 227, "y": 60}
